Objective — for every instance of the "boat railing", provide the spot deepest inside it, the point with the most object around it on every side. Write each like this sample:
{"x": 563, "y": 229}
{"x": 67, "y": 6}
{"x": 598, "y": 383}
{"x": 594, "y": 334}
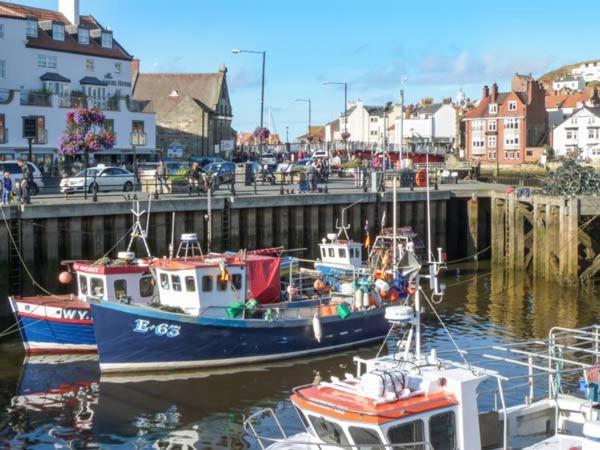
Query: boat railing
{"x": 285, "y": 438}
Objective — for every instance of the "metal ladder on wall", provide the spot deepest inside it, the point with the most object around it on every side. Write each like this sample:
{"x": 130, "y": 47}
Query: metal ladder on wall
{"x": 226, "y": 230}
{"x": 14, "y": 262}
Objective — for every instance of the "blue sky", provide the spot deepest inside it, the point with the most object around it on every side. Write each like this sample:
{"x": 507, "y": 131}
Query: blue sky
{"x": 440, "y": 46}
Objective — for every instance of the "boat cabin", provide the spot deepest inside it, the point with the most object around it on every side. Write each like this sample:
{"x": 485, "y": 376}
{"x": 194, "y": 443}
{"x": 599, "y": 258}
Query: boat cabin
{"x": 126, "y": 278}
{"x": 207, "y": 285}
{"x": 341, "y": 254}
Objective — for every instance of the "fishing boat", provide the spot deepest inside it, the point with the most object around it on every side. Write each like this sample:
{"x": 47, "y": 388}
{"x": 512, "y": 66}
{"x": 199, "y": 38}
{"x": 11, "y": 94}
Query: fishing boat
{"x": 468, "y": 399}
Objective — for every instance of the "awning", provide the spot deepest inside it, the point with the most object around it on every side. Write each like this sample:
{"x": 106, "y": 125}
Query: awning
{"x": 92, "y": 81}
{"x": 53, "y": 76}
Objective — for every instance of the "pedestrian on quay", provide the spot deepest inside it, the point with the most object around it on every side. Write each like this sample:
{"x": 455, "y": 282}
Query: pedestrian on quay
{"x": 25, "y": 183}
{"x": 162, "y": 173}
{"x": 194, "y": 178}
{"x": 311, "y": 173}
{"x": 6, "y": 188}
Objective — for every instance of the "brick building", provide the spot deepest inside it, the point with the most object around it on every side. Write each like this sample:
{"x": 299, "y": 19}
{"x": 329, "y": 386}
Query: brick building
{"x": 193, "y": 110}
{"x": 508, "y": 127}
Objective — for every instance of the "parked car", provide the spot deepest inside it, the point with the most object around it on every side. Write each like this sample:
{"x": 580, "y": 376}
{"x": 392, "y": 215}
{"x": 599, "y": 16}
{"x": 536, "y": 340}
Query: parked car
{"x": 225, "y": 171}
{"x": 99, "y": 178}
{"x": 16, "y": 174}
{"x": 147, "y": 169}
{"x": 321, "y": 154}
{"x": 206, "y": 160}
{"x": 268, "y": 158}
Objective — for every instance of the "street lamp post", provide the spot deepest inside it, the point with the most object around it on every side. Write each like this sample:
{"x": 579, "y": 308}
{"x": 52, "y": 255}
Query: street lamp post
{"x": 345, "y": 110}
{"x": 262, "y": 84}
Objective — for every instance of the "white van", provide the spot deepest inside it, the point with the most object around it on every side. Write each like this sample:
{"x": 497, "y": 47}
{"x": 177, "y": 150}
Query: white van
{"x": 15, "y": 174}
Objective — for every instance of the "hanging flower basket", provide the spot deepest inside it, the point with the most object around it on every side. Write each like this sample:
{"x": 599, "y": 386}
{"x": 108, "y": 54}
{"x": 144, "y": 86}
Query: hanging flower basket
{"x": 85, "y": 133}
{"x": 345, "y": 136}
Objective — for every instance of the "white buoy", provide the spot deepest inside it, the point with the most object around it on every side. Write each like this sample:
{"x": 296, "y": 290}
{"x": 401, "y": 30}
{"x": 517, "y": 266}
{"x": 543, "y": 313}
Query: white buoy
{"x": 358, "y": 296}
{"x": 317, "y": 329}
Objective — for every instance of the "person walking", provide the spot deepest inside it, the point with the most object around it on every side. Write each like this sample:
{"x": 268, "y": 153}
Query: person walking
{"x": 194, "y": 178}
{"x": 6, "y": 188}
{"x": 26, "y": 182}
{"x": 162, "y": 174}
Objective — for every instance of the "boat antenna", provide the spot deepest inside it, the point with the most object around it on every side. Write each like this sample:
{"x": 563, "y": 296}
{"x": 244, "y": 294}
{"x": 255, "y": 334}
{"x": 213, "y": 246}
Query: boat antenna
{"x": 138, "y": 231}
{"x": 172, "y": 244}
{"x": 429, "y": 259}
{"x": 344, "y": 227}
{"x": 209, "y": 216}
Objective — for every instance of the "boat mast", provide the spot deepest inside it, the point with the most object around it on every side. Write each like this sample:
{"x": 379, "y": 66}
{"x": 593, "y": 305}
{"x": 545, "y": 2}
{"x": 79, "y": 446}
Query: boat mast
{"x": 344, "y": 228}
{"x": 138, "y": 231}
{"x": 209, "y": 217}
{"x": 429, "y": 259}
{"x": 394, "y": 224}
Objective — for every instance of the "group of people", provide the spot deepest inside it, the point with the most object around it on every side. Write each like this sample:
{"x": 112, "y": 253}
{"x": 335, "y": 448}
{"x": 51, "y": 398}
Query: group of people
{"x": 23, "y": 186}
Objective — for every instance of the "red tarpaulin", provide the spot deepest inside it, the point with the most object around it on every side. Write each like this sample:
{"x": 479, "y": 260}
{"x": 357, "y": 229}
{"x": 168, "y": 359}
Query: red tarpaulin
{"x": 263, "y": 278}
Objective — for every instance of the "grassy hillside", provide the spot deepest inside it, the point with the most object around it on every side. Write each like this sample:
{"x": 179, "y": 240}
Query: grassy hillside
{"x": 564, "y": 70}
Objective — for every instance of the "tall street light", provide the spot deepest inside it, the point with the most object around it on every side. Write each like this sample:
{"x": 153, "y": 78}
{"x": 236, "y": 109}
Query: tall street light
{"x": 345, "y": 109}
{"x": 262, "y": 86}
{"x": 307, "y": 100}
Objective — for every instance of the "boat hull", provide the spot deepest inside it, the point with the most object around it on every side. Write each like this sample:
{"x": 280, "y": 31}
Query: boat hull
{"x": 51, "y": 324}
{"x": 134, "y": 338}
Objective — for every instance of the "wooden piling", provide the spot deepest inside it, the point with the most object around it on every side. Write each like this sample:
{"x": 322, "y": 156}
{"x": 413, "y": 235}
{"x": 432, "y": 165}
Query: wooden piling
{"x": 473, "y": 225}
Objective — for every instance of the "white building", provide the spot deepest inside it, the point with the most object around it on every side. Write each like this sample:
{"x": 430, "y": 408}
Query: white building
{"x": 575, "y": 83}
{"x": 589, "y": 71}
{"x": 53, "y": 61}
{"x": 579, "y": 134}
{"x": 435, "y": 121}
{"x": 365, "y": 123}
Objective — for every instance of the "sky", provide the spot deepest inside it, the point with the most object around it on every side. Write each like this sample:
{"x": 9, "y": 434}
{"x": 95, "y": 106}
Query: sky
{"x": 430, "y": 48}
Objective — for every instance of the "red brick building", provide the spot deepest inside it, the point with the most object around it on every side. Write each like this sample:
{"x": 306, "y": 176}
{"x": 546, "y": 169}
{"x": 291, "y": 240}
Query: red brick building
{"x": 508, "y": 127}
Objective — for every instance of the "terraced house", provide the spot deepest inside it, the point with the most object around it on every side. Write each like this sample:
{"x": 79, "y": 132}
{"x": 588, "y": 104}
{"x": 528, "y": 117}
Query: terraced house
{"x": 508, "y": 127}
{"x": 53, "y": 61}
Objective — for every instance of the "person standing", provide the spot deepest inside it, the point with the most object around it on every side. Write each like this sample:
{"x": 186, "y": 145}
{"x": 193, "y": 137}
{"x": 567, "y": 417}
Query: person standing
{"x": 311, "y": 177}
{"x": 162, "y": 173}
{"x": 194, "y": 178}
{"x": 26, "y": 182}
{"x": 6, "y": 188}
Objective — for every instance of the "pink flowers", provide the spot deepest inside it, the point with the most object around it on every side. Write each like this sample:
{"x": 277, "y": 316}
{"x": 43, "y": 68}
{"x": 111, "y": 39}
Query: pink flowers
{"x": 261, "y": 133}
{"x": 85, "y": 133}
{"x": 345, "y": 135}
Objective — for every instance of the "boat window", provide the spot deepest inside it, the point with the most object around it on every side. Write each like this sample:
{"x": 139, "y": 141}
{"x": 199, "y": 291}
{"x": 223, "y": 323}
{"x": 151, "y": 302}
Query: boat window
{"x": 351, "y": 251}
{"x": 97, "y": 287}
{"x": 407, "y": 432}
{"x": 342, "y": 252}
{"x": 221, "y": 283}
{"x": 164, "y": 281}
{"x": 323, "y": 253}
{"x": 206, "y": 283}
{"x": 328, "y": 432}
{"x": 331, "y": 253}
{"x": 147, "y": 286}
{"x": 120, "y": 288}
{"x": 362, "y": 436}
{"x": 176, "y": 283}
{"x": 302, "y": 418}
{"x": 190, "y": 284}
{"x": 83, "y": 285}
{"x": 442, "y": 431}
{"x": 236, "y": 281}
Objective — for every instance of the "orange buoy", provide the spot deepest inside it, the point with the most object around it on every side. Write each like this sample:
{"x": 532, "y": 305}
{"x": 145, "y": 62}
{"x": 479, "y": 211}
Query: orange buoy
{"x": 421, "y": 178}
{"x": 411, "y": 290}
{"x": 65, "y": 277}
{"x": 394, "y": 296}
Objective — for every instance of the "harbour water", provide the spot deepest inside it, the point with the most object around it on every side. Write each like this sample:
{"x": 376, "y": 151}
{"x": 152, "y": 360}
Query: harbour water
{"x": 47, "y": 404}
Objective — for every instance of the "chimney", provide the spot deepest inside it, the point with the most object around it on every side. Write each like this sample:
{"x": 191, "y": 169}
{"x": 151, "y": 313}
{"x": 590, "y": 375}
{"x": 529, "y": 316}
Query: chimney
{"x": 530, "y": 91}
{"x": 486, "y": 92}
{"x": 135, "y": 71}
{"x": 494, "y": 93}
{"x": 69, "y": 9}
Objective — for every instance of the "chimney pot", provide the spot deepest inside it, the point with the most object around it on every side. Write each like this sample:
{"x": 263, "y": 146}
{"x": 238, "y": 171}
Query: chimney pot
{"x": 494, "y": 93}
{"x": 69, "y": 9}
{"x": 486, "y": 92}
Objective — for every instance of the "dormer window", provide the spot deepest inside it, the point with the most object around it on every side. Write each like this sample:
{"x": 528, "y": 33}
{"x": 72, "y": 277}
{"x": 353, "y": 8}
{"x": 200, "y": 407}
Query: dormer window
{"x": 106, "y": 39}
{"x": 493, "y": 108}
{"x": 32, "y": 27}
{"x": 58, "y": 32}
{"x": 83, "y": 36}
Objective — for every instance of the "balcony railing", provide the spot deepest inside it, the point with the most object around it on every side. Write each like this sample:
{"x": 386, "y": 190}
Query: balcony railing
{"x": 138, "y": 138}
{"x": 72, "y": 101}
{"x": 3, "y": 135}
{"x": 36, "y": 98}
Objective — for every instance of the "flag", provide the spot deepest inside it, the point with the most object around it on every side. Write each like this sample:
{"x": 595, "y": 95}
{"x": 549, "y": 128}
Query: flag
{"x": 368, "y": 236}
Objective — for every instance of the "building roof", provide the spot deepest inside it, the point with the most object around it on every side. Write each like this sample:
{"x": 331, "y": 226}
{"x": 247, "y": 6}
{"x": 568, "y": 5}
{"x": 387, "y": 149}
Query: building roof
{"x": 482, "y": 109}
{"x": 166, "y": 89}
{"x": 595, "y": 110}
{"x": 70, "y": 44}
{"x": 430, "y": 108}
{"x": 53, "y": 76}
{"x": 374, "y": 110}
{"x": 93, "y": 81}
{"x": 571, "y": 100}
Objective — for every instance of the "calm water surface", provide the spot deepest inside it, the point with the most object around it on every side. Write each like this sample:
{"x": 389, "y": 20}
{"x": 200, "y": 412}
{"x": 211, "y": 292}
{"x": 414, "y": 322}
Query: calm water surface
{"x": 44, "y": 404}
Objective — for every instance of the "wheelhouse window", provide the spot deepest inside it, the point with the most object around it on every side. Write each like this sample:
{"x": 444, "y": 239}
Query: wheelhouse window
{"x": 364, "y": 436}
{"x": 342, "y": 252}
{"x": 176, "y": 283}
{"x": 120, "y": 288}
{"x": 83, "y": 287}
{"x": 331, "y": 253}
{"x": 302, "y": 418}
{"x": 32, "y": 27}
{"x": 147, "y": 286}
{"x": 190, "y": 284}
{"x": 328, "y": 432}
{"x": 236, "y": 281}
{"x": 407, "y": 432}
{"x": 97, "y": 287}
{"x": 164, "y": 281}
{"x": 442, "y": 431}
{"x": 58, "y": 32}
{"x": 323, "y": 253}
{"x": 207, "y": 283}
{"x": 221, "y": 283}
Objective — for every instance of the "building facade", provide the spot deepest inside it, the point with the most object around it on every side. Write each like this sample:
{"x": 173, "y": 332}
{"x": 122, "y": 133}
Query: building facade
{"x": 589, "y": 71}
{"x": 193, "y": 110}
{"x": 364, "y": 123}
{"x": 574, "y": 84}
{"x": 54, "y": 61}
{"x": 579, "y": 134}
{"x": 510, "y": 127}
{"x": 432, "y": 122}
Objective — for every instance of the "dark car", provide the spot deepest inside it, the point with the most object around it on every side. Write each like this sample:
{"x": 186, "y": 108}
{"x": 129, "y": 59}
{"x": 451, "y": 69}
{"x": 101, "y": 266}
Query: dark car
{"x": 204, "y": 161}
{"x": 225, "y": 171}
